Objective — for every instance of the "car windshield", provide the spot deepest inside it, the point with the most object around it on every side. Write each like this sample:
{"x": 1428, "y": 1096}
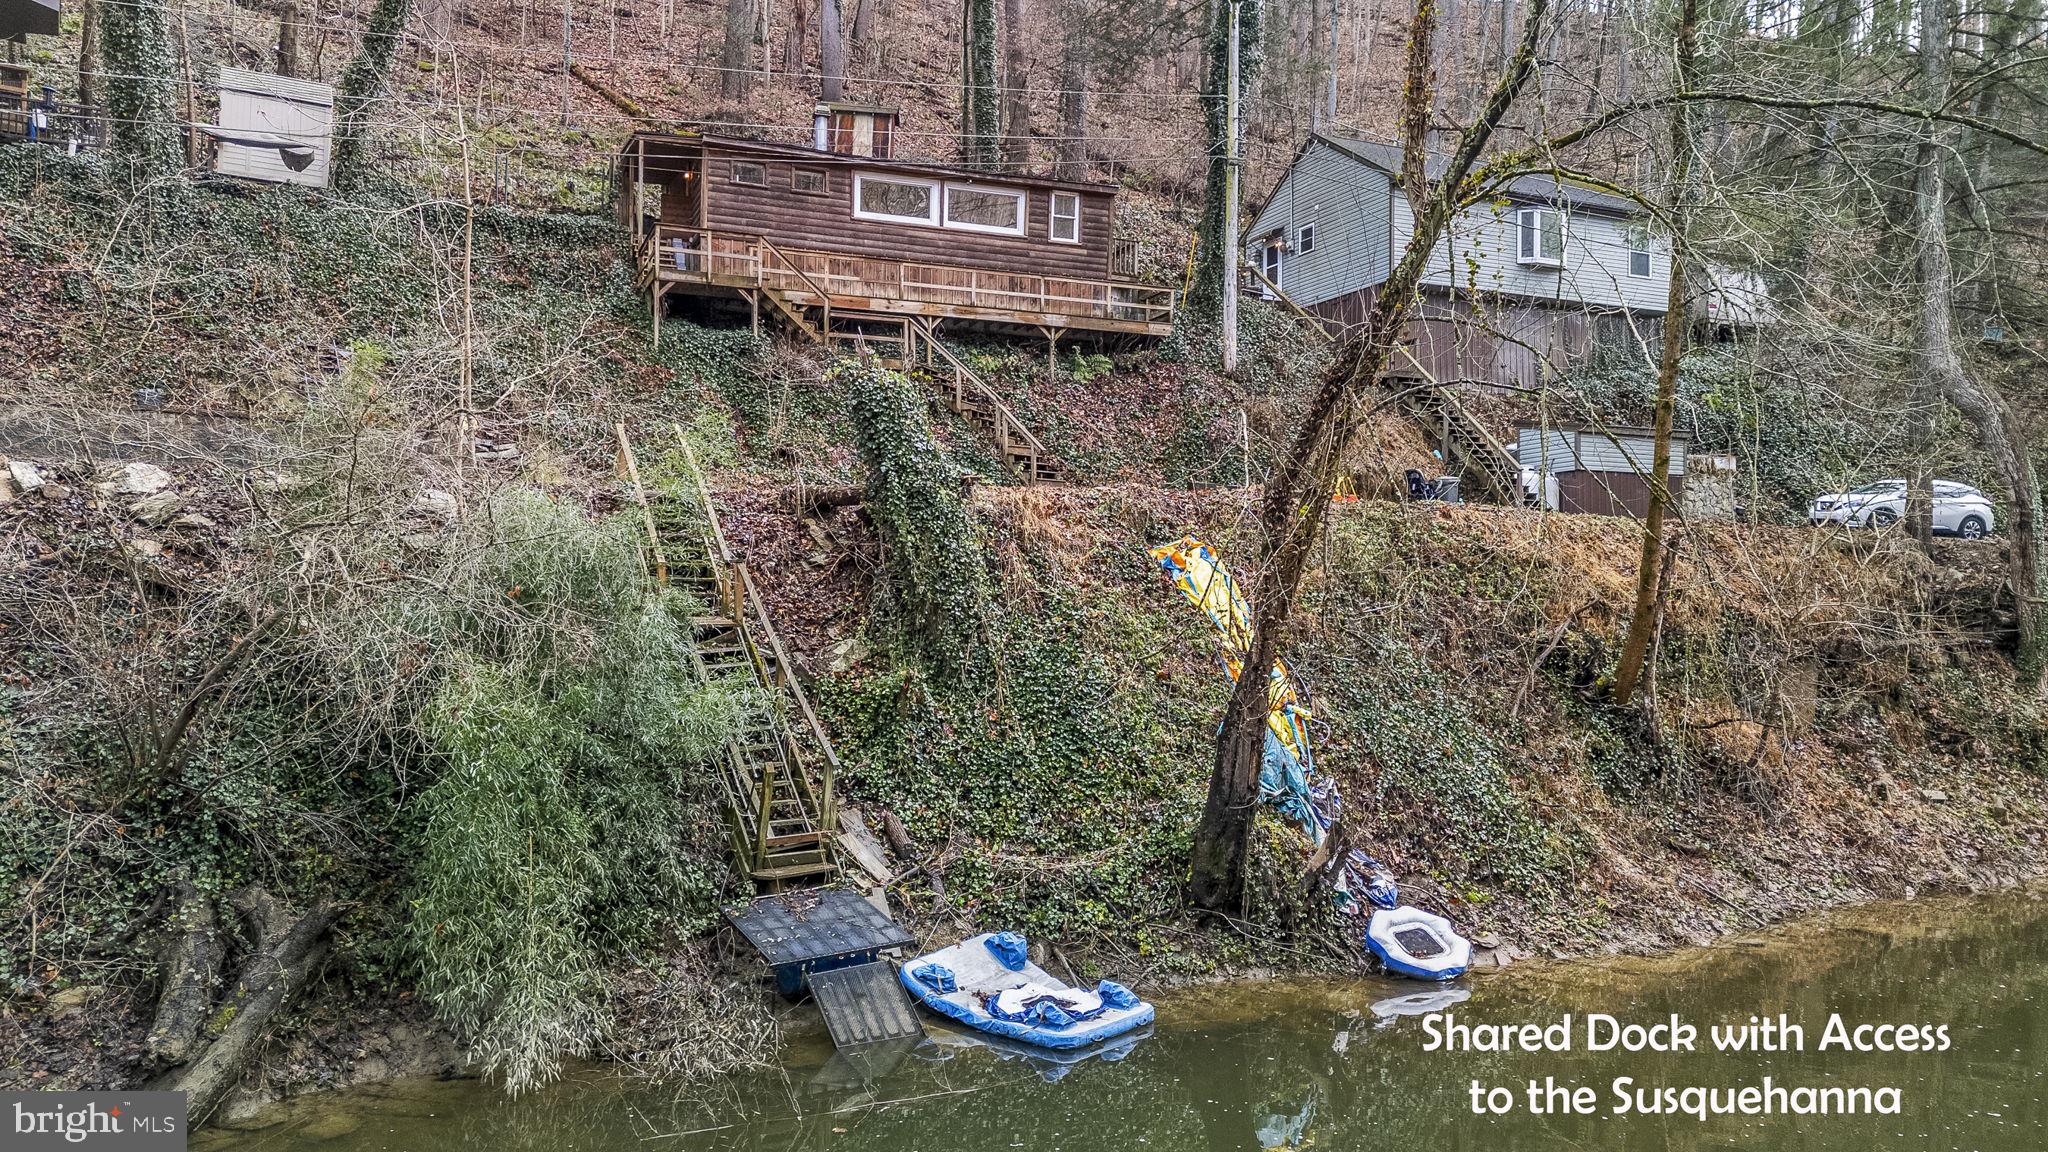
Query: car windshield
{"x": 1882, "y": 486}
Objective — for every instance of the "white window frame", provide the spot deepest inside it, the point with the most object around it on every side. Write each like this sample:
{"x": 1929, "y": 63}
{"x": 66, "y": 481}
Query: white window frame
{"x": 1022, "y": 198}
{"x": 1305, "y": 238}
{"x": 929, "y": 220}
{"x": 1272, "y": 265}
{"x": 1053, "y": 216}
{"x": 1639, "y": 245}
{"x": 1529, "y": 238}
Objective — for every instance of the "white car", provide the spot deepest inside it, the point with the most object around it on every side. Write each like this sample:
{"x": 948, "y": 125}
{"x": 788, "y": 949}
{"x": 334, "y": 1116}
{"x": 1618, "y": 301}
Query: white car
{"x": 1959, "y": 510}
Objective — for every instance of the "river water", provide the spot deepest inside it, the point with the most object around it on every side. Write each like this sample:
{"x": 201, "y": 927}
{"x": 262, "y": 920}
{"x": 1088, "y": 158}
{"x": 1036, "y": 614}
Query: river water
{"x": 1296, "y": 1065}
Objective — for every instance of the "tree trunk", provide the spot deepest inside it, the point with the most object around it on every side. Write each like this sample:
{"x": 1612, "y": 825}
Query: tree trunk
{"x": 1016, "y": 101}
{"x": 91, "y": 88}
{"x": 362, "y": 82}
{"x": 280, "y": 962}
{"x": 1071, "y": 151}
{"x": 1296, "y": 494}
{"x": 864, "y": 26}
{"x": 135, "y": 50}
{"x": 738, "y": 51}
{"x": 288, "y": 37}
{"x": 831, "y": 52}
{"x": 1939, "y": 362}
{"x": 793, "y": 43}
{"x": 980, "y": 116}
{"x": 1212, "y": 248}
{"x": 191, "y": 971}
{"x": 1642, "y": 619}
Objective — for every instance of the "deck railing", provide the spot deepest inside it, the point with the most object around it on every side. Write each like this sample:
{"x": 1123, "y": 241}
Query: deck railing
{"x": 704, "y": 255}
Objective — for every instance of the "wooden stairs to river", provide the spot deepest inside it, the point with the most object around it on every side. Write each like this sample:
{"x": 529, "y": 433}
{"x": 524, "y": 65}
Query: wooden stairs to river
{"x": 911, "y": 344}
{"x": 778, "y": 769}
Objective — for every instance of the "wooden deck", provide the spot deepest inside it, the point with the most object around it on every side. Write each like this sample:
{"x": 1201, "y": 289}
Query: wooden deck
{"x": 700, "y": 258}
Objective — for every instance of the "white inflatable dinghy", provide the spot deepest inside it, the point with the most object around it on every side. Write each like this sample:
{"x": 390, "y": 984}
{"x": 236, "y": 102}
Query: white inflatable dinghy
{"x": 989, "y": 983}
{"x": 1415, "y": 943}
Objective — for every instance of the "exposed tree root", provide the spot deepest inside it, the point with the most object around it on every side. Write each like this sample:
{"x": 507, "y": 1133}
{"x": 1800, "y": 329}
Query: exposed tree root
{"x": 207, "y": 1044}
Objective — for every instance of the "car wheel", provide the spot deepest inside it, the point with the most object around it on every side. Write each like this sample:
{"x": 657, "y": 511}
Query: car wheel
{"x": 1883, "y": 518}
{"x": 1972, "y": 528}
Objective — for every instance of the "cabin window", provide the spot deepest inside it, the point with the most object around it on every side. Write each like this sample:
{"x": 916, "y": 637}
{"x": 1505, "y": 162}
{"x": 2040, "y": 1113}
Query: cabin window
{"x": 1270, "y": 264}
{"x": 894, "y": 198}
{"x": 748, "y": 172}
{"x": 808, "y": 180}
{"x": 1639, "y": 251}
{"x": 979, "y": 209}
{"x": 1305, "y": 238}
{"x": 1066, "y": 218}
{"x": 1542, "y": 237}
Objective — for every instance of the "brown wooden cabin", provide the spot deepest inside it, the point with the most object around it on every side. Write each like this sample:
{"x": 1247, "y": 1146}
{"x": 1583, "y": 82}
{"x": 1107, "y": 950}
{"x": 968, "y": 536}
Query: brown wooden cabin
{"x": 832, "y": 240}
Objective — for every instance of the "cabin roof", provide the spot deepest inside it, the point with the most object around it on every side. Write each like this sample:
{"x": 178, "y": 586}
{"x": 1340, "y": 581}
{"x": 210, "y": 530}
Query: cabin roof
{"x": 846, "y": 106}
{"x": 803, "y": 153}
{"x": 1607, "y": 432}
{"x": 1535, "y": 187}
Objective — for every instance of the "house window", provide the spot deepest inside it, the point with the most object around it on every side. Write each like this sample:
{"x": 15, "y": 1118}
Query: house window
{"x": 897, "y": 199}
{"x": 1305, "y": 238}
{"x": 979, "y": 209}
{"x": 748, "y": 172}
{"x": 1066, "y": 218}
{"x": 1639, "y": 251}
{"x": 808, "y": 180}
{"x": 1542, "y": 237}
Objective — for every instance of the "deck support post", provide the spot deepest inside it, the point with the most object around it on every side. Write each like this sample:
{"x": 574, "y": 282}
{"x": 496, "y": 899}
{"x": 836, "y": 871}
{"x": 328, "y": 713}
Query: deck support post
{"x": 753, "y": 308}
{"x": 1052, "y": 353}
{"x": 659, "y": 295}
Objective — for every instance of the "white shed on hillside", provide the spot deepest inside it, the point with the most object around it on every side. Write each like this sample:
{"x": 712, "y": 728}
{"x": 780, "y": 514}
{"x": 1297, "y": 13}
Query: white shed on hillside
{"x": 259, "y": 106}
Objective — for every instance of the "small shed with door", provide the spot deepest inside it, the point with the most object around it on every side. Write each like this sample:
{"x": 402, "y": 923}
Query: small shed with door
{"x": 1598, "y": 471}
{"x": 265, "y": 119}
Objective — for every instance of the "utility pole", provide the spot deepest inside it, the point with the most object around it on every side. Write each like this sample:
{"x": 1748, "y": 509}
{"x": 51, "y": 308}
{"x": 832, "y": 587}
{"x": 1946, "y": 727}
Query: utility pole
{"x": 1231, "y": 253}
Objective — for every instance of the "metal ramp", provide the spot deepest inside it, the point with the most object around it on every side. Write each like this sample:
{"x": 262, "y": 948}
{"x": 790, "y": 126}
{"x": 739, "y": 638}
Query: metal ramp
{"x": 830, "y": 941}
{"x": 863, "y": 1004}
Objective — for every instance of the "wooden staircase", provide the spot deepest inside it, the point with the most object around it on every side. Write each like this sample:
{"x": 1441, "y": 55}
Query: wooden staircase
{"x": 1466, "y": 444}
{"x": 897, "y": 341}
{"x": 778, "y": 768}
{"x": 967, "y": 394}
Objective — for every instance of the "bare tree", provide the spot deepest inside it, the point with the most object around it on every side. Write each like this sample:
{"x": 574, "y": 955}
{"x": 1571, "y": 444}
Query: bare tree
{"x": 1296, "y": 500}
{"x": 1938, "y": 364}
{"x": 980, "y": 116}
{"x": 737, "y": 51}
{"x": 793, "y": 43}
{"x": 1071, "y": 151}
{"x": 1016, "y": 78}
{"x": 1642, "y": 617}
{"x": 831, "y": 52}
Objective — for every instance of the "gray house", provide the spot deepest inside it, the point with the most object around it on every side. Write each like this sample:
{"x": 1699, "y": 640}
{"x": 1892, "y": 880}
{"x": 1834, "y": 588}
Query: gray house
{"x": 1522, "y": 284}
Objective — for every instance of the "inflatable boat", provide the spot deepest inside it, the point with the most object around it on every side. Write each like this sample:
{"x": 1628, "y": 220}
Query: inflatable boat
{"x": 1411, "y": 942}
{"x": 989, "y": 983}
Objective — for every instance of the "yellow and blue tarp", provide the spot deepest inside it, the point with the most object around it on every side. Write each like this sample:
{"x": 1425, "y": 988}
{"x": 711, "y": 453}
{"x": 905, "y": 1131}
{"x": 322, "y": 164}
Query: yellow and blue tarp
{"x": 1288, "y": 762}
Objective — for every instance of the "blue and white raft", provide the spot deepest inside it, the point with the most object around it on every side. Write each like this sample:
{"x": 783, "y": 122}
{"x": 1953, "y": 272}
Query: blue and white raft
{"x": 1415, "y": 943}
{"x": 989, "y": 983}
